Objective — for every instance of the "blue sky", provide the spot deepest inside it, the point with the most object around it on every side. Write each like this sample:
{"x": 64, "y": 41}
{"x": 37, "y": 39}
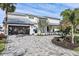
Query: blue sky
{"x": 41, "y": 9}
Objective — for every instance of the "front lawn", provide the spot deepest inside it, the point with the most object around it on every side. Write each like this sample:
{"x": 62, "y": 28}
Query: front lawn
{"x": 2, "y": 45}
{"x": 76, "y": 49}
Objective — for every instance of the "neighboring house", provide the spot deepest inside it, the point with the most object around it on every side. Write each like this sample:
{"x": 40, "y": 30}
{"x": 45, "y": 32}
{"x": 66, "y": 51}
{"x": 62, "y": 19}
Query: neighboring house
{"x": 19, "y": 23}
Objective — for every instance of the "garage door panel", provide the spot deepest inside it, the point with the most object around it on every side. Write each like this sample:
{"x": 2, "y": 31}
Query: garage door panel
{"x": 12, "y": 30}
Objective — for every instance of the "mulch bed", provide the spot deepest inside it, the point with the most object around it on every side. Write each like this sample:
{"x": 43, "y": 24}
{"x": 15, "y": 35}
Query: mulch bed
{"x": 66, "y": 43}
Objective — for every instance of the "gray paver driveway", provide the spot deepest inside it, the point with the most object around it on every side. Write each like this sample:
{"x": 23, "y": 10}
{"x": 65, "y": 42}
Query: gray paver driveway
{"x": 34, "y": 46}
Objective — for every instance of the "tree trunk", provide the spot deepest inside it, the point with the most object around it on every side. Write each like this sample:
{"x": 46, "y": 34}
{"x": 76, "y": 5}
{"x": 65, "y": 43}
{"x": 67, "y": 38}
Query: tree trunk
{"x": 6, "y": 17}
{"x": 72, "y": 34}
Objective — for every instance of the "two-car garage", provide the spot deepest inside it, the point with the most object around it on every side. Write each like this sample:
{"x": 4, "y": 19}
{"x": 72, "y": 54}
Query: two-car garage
{"x": 14, "y": 30}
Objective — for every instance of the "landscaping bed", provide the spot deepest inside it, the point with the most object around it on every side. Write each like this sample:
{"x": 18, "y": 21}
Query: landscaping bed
{"x": 66, "y": 42}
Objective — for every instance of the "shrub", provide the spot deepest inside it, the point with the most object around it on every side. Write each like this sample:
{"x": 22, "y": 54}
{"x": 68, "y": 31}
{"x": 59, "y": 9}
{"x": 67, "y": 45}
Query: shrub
{"x": 76, "y": 38}
{"x": 2, "y": 35}
{"x": 68, "y": 39}
{"x": 66, "y": 32}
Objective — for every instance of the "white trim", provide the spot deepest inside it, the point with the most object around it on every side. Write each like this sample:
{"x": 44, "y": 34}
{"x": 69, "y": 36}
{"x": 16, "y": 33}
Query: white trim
{"x": 19, "y": 25}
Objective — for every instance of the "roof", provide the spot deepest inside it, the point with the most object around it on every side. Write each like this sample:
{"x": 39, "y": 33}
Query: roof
{"x": 53, "y": 22}
{"x": 24, "y": 20}
{"x": 54, "y": 18}
{"x": 24, "y": 14}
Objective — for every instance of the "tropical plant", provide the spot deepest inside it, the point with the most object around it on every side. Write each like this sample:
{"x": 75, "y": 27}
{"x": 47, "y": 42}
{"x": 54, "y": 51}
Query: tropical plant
{"x": 64, "y": 24}
{"x": 66, "y": 31}
{"x": 70, "y": 16}
{"x": 7, "y": 7}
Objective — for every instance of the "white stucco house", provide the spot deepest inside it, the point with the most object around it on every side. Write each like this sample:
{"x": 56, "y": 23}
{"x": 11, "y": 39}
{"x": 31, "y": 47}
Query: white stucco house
{"x": 19, "y": 23}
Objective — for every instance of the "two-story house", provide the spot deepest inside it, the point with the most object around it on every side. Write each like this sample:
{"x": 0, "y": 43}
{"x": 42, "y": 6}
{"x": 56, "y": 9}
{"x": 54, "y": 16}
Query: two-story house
{"x": 19, "y": 23}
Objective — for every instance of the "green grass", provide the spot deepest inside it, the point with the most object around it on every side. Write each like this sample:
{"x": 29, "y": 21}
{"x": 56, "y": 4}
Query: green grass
{"x": 76, "y": 49}
{"x": 2, "y": 41}
{"x": 2, "y": 45}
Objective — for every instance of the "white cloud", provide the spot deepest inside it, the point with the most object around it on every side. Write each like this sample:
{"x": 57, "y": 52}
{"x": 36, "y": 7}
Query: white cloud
{"x": 44, "y": 6}
{"x": 37, "y": 12}
{"x": 41, "y": 12}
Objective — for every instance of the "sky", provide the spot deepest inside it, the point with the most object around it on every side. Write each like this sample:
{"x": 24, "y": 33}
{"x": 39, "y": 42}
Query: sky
{"x": 41, "y": 9}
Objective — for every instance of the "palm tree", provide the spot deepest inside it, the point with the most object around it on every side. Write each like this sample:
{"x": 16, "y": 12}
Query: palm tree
{"x": 76, "y": 21}
{"x": 7, "y": 7}
{"x": 70, "y": 16}
{"x": 76, "y": 10}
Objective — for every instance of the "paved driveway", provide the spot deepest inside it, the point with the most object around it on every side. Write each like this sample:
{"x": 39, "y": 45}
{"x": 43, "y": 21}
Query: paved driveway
{"x": 34, "y": 46}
